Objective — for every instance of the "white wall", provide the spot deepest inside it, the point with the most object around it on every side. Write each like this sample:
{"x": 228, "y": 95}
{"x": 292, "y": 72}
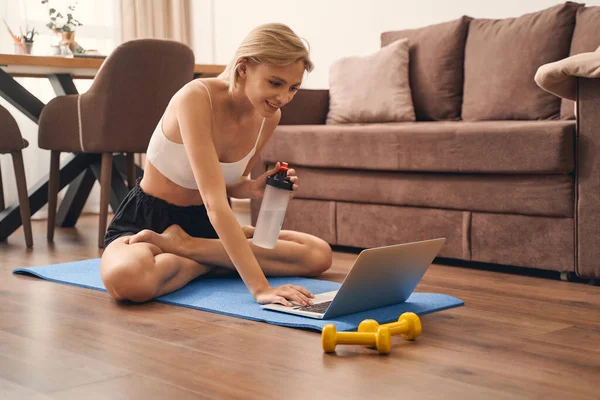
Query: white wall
{"x": 335, "y": 28}
{"x": 201, "y": 21}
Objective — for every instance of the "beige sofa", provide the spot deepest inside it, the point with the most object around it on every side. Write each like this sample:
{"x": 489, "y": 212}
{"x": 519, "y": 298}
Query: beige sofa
{"x": 495, "y": 164}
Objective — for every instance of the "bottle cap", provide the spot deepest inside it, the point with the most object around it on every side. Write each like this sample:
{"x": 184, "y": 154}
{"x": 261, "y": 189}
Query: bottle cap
{"x": 280, "y": 180}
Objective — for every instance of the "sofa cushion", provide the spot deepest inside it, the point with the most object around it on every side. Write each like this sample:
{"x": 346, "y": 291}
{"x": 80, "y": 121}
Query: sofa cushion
{"x": 501, "y": 58}
{"x": 436, "y": 67}
{"x": 371, "y": 88}
{"x": 373, "y": 225}
{"x": 586, "y": 38}
{"x": 530, "y": 147}
{"x": 547, "y": 195}
{"x": 534, "y": 242}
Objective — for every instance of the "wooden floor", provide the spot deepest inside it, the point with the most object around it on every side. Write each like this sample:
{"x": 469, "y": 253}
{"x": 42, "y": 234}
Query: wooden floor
{"x": 516, "y": 337}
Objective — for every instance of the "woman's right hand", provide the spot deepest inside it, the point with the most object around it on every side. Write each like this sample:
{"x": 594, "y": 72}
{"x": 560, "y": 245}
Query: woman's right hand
{"x": 284, "y": 294}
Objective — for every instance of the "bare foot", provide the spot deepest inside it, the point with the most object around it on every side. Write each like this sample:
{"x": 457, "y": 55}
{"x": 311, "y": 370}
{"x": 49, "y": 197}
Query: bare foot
{"x": 172, "y": 240}
{"x": 248, "y": 231}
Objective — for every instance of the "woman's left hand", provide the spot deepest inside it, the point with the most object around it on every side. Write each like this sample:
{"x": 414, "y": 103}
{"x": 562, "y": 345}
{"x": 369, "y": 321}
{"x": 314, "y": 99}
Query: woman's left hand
{"x": 258, "y": 185}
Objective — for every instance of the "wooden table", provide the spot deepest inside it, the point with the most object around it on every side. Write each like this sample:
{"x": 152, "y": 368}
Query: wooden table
{"x": 81, "y": 170}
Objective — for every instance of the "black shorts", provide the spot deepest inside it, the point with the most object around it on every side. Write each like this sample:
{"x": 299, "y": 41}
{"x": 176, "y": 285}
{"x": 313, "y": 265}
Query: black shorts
{"x": 140, "y": 211}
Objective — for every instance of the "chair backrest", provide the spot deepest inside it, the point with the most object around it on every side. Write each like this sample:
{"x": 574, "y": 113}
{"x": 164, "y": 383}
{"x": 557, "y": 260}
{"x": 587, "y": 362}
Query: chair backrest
{"x": 131, "y": 92}
{"x": 10, "y": 135}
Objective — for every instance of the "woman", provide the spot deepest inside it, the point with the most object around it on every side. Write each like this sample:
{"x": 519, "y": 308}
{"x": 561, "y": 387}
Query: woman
{"x": 176, "y": 224}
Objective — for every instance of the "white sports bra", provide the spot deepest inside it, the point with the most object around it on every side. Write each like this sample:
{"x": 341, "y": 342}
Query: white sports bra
{"x": 171, "y": 160}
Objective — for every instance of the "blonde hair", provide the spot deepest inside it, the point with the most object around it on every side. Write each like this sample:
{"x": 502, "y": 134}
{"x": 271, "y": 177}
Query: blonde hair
{"x": 271, "y": 43}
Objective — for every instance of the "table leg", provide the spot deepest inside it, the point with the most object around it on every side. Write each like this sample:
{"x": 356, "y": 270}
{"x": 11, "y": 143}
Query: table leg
{"x": 120, "y": 163}
{"x": 118, "y": 188}
{"x": 63, "y": 84}
{"x": 19, "y": 97}
{"x": 75, "y": 198}
{"x": 79, "y": 190}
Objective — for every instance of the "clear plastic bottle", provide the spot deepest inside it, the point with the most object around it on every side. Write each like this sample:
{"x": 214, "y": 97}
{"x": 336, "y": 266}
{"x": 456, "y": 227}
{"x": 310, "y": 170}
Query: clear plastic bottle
{"x": 273, "y": 208}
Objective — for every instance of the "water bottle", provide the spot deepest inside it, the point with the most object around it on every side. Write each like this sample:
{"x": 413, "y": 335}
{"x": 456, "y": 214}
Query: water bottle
{"x": 272, "y": 209}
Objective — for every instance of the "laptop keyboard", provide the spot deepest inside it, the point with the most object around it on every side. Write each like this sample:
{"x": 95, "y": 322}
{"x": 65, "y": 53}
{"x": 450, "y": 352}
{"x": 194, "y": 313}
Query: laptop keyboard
{"x": 316, "y": 308}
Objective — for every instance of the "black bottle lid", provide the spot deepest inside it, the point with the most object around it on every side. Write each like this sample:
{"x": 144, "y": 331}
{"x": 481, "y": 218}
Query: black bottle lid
{"x": 280, "y": 180}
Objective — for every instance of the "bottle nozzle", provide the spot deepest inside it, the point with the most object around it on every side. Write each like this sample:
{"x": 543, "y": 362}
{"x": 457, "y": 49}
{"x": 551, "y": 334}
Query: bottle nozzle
{"x": 283, "y": 170}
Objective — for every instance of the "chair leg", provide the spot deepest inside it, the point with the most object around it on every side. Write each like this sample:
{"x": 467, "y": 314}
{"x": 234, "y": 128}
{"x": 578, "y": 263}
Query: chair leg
{"x": 105, "y": 179}
{"x": 2, "y": 204}
{"x": 53, "y": 192}
{"x": 19, "y": 167}
{"x": 130, "y": 164}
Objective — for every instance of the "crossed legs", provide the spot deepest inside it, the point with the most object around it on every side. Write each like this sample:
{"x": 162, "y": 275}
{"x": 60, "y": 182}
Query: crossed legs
{"x": 147, "y": 265}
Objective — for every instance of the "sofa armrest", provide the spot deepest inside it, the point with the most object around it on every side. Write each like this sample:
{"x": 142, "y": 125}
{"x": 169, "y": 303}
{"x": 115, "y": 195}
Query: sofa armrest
{"x": 309, "y": 107}
{"x": 587, "y": 206}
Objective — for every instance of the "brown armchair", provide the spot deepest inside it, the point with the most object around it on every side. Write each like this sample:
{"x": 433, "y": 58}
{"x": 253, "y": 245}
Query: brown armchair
{"x": 117, "y": 114}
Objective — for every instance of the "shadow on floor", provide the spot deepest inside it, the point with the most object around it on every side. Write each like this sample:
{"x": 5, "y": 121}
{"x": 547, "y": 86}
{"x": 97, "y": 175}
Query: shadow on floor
{"x": 505, "y": 269}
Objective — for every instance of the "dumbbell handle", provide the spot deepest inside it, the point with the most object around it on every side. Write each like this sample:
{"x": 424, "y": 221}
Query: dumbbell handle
{"x": 397, "y": 327}
{"x": 408, "y": 326}
{"x": 365, "y": 338}
{"x": 380, "y": 339}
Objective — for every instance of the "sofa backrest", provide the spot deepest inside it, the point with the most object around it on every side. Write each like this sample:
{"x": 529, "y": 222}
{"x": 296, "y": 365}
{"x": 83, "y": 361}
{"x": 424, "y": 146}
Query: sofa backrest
{"x": 586, "y": 38}
{"x": 483, "y": 69}
{"x": 502, "y": 57}
{"x": 436, "y": 55}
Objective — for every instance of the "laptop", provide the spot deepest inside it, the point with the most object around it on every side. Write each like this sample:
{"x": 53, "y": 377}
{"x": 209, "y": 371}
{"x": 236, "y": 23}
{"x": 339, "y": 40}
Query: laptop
{"x": 380, "y": 277}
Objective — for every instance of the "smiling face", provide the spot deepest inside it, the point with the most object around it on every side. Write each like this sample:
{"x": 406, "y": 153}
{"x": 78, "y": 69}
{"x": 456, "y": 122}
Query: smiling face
{"x": 270, "y": 87}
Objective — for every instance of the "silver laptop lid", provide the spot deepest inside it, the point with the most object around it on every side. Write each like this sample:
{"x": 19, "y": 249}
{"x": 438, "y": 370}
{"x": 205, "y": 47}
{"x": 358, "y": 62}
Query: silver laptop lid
{"x": 383, "y": 276}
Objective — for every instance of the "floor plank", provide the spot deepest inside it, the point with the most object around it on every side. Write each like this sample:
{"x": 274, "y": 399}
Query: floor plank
{"x": 40, "y": 365}
{"x": 127, "y": 388}
{"x": 11, "y": 390}
{"x": 516, "y": 337}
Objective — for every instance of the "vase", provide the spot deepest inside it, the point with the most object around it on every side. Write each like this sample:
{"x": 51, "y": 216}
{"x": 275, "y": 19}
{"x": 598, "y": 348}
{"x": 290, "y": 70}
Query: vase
{"x": 23, "y": 47}
{"x": 68, "y": 39}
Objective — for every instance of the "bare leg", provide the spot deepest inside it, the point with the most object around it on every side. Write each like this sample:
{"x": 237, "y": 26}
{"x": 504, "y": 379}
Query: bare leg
{"x": 295, "y": 254}
{"x": 141, "y": 271}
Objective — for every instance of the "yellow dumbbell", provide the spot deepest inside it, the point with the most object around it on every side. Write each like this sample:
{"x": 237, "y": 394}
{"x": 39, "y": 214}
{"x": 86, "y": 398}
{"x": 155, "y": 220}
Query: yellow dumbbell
{"x": 379, "y": 339}
{"x": 408, "y": 326}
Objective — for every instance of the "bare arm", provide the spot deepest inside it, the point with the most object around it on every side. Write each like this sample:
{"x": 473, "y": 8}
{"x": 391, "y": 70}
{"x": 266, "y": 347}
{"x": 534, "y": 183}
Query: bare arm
{"x": 195, "y": 123}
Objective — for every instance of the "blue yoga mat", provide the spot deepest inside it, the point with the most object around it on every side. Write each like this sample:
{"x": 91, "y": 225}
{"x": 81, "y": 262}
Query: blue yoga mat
{"x": 230, "y": 296}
